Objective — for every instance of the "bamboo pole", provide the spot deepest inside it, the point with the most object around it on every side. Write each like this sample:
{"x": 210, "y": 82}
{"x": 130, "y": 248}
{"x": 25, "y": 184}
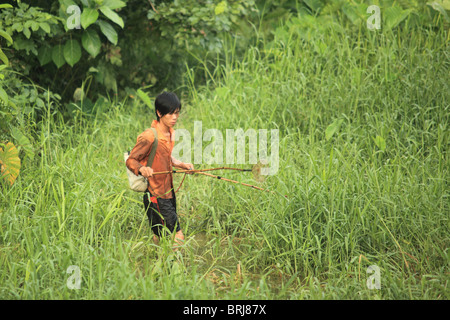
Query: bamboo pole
{"x": 199, "y": 170}
{"x": 234, "y": 181}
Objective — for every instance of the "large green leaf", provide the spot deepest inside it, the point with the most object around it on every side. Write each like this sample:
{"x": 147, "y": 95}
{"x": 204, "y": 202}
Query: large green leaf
{"x": 44, "y": 55}
{"x": 380, "y": 143}
{"x": 91, "y": 42}
{"x": 314, "y": 5}
{"x": 45, "y": 26}
{"x": 23, "y": 142}
{"x": 3, "y": 95}
{"x": 220, "y": 8}
{"x": 141, "y": 94}
{"x": 114, "y": 17}
{"x": 114, "y": 4}
{"x": 441, "y": 6}
{"x": 17, "y": 26}
{"x": 3, "y": 57}
{"x": 26, "y": 32}
{"x": 88, "y": 17}
{"x": 356, "y": 13}
{"x": 350, "y": 12}
{"x": 72, "y": 52}
{"x": 34, "y": 26}
{"x": 6, "y": 36}
{"x": 108, "y": 31}
{"x": 58, "y": 55}
{"x": 333, "y": 128}
{"x": 9, "y": 162}
{"x": 393, "y": 16}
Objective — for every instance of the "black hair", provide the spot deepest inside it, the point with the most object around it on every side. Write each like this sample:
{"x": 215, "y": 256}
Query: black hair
{"x": 166, "y": 102}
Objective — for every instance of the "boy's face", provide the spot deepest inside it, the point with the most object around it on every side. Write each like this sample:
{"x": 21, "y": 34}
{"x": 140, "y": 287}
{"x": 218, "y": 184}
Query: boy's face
{"x": 170, "y": 119}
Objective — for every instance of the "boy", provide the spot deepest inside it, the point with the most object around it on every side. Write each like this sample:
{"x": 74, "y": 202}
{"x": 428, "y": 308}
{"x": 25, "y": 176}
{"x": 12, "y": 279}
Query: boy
{"x": 159, "y": 199}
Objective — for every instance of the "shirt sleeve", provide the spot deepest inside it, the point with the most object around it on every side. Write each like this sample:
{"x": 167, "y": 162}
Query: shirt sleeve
{"x": 140, "y": 151}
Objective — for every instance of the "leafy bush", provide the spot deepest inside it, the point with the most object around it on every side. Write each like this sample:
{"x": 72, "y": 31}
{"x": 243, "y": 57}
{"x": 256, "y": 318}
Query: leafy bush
{"x": 118, "y": 43}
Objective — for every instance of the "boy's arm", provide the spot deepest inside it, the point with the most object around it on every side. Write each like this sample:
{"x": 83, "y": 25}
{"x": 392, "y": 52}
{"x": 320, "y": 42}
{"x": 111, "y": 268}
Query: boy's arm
{"x": 139, "y": 152}
{"x": 182, "y": 165}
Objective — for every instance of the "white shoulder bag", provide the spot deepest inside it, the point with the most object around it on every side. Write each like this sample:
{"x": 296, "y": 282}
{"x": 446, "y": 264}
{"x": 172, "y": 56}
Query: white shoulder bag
{"x": 140, "y": 183}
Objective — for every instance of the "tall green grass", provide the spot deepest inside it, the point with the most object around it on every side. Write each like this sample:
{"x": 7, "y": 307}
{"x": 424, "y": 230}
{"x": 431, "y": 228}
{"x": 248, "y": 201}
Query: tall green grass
{"x": 376, "y": 192}
{"x": 353, "y": 201}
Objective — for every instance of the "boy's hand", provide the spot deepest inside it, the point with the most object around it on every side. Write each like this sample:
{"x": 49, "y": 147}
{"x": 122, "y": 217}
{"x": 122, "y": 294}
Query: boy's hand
{"x": 188, "y": 166}
{"x": 147, "y": 172}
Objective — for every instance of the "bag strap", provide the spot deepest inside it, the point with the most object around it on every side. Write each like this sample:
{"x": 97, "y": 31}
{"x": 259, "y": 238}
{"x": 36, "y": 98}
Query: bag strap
{"x": 153, "y": 150}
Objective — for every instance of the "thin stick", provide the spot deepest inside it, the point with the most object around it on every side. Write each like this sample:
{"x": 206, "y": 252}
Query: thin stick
{"x": 199, "y": 170}
{"x": 153, "y": 7}
{"x": 234, "y": 181}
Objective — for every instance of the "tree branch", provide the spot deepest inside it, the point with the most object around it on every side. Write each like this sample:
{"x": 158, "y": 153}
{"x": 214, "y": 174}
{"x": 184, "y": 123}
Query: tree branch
{"x": 154, "y": 9}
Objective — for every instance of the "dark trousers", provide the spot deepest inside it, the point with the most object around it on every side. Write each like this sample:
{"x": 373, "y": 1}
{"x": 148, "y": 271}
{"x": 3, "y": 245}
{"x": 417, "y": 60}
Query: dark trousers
{"x": 161, "y": 214}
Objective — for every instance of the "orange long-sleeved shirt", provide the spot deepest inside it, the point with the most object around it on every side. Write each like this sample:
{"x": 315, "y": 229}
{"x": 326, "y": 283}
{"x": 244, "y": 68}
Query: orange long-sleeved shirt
{"x": 159, "y": 185}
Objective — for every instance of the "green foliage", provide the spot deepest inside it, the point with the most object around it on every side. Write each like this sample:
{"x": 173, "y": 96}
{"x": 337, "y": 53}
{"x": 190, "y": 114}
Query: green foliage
{"x": 380, "y": 143}
{"x": 333, "y": 128}
{"x": 156, "y": 43}
{"x": 45, "y": 33}
{"x": 27, "y": 24}
{"x": 198, "y": 23}
{"x": 144, "y": 97}
{"x": 3, "y": 94}
{"x": 163, "y": 39}
{"x": 114, "y": 17}
{"x": 65, "y": 39}
{"x": 363, "y": 120}
{"x": 91, "y": 42}
{"x": 58, "y": 55}
{"x": 22, "y": 101}
{"x": 88, "y": 17}
{"x": 72, "y": 52}
{"x": 108, "y": 31}
{"x": 354, "y": 14}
